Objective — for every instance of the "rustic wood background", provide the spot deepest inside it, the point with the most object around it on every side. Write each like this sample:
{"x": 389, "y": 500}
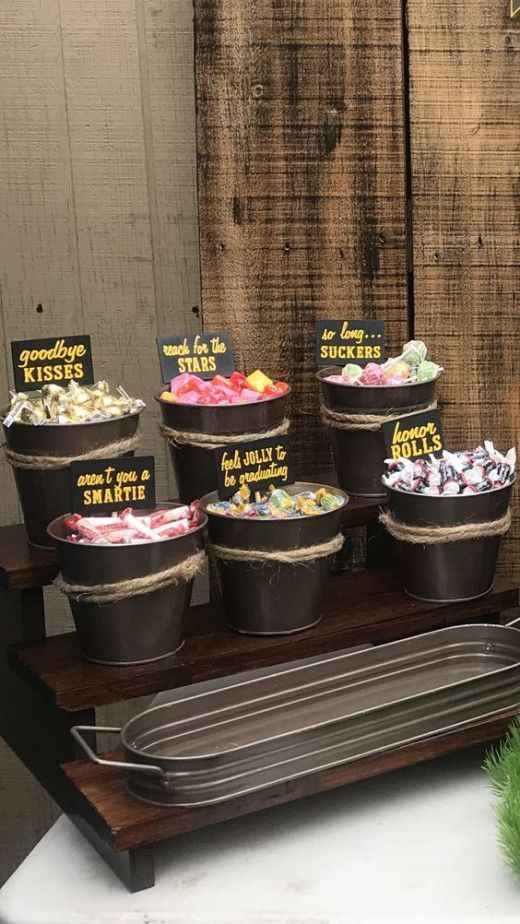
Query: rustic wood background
{"x": 352, "y": 158}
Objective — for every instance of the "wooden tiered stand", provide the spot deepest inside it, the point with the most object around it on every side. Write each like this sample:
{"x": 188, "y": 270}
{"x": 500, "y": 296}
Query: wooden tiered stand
{"x": 46, "y": 688}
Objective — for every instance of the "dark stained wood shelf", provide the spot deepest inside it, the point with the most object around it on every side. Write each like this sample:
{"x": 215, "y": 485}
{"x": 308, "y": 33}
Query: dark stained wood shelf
{"x": 360, "y": 511}
{"x": 123, "y": 822}
{"x": 359, "y": 607}
{"x": 21, "y": 567}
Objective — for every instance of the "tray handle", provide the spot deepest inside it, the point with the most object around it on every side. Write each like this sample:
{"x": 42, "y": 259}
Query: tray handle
{"x": 512, "y": 623}
{"x": 151, "y": 769}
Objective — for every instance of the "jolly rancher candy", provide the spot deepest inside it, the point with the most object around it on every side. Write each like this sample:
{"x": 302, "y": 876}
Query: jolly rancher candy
{"x": 472, "y": 472}
{"x": 277, "y": 504}
{"x": 238, "y": 389}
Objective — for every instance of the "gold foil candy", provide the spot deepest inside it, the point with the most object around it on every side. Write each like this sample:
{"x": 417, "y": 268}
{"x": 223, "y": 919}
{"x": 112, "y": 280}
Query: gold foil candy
{"x": 113, "y": 410}
{"x": 78, "y": 394}
{"x": 33, "y": 413}
{"x": 51, "y": 391}
{"x": 73, "y": 404}
{"x": 78, "y": 412}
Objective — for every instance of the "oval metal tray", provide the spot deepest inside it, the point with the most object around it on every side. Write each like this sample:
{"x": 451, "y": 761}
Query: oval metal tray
{"x": 217, "y": 740}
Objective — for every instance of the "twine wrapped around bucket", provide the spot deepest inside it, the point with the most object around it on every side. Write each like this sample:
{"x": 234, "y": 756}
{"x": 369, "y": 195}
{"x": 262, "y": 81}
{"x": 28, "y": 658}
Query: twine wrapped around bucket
{"x": 342, "y": 420}
{"x": 182, "y": 572}
{"x": 434, "y": 535}
{"x": 46, "y": 463}
{"x": 212, "y": 440}
{"x": 280, "y": 556}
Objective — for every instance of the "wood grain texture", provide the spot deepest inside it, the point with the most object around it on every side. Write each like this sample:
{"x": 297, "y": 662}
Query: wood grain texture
{"x": 125, "y": 822}
{"x": 300, "y": 168}
{"x": 98, "y": 229}
{"x": 465, "y": 104}
{"x": 21, "y": 567}
{"x": 37, "y": 233}
{"x": 97, "y": 156}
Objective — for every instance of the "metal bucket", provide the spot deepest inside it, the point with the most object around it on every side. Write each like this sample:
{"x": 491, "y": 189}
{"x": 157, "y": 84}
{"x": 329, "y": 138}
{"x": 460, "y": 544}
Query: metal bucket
{"x": 45, "y": 493}
{"x": 359, "y": 454}
{"x": 271, "y": 598}
{"x": 453, "y": 571}
{"x": 138, "y": 629}
{"x": 195, "y": 467}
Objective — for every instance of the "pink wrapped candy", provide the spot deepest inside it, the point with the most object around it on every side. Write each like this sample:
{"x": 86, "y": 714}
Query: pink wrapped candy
{"x": 129, "y": 528}
{"x": 372, "y": 375}
{"x": 238, "y": 389}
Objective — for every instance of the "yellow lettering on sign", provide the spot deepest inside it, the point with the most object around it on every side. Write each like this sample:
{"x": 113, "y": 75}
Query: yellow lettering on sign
{"x": 115, "y": 495}
{"x": 413, "y": 442}
{"x": 197, "y": 364}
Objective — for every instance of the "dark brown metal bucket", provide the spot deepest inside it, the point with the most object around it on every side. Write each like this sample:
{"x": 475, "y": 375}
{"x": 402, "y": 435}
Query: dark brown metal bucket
{"x": 454, "y": 571}
{"x": 45, "y": 493}
{"x": 138, "y": 629}
{"x": 359, "y": 454}
{"x": 271, "y": 598}
{"x": 194, "y": 467}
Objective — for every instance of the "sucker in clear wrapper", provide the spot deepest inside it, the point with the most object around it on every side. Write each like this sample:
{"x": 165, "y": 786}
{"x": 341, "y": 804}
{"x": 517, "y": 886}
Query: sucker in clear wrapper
{"x": 407, "y": 369}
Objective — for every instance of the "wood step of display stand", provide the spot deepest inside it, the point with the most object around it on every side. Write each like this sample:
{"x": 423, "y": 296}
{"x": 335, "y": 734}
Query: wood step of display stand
{"x": 359, "y": 608}
{"x": 124, "y": 822}
{"x": 21, "y": 567}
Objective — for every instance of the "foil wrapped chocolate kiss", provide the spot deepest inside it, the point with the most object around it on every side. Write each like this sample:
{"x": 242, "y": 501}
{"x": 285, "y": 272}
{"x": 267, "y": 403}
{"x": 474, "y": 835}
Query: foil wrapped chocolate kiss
{"x": 55, "y": 404}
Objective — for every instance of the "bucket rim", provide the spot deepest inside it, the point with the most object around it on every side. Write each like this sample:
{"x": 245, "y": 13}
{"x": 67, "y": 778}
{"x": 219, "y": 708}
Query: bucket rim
{"x": 304, "y": 485}
{"x": 270, "y": 398}
{"x": 127, "y": 545}
{"x": 63, "y": 426}
{"x": 321, "y": 374}
{"x": 455, "y": 497}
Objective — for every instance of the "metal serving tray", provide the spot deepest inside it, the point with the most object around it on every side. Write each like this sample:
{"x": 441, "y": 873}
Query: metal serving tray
{"x": 223, "y": 738}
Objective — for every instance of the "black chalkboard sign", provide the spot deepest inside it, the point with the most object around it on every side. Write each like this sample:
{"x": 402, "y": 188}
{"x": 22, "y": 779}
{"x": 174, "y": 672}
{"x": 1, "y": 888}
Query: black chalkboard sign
{"x": 100, "y": 486}
{"x": 258, "y": 464}
{"x": 53, "y": 360}
{"x": 205, "y": 355}
{"x": 415, "y": 436}
{"x": 339, "y": 342}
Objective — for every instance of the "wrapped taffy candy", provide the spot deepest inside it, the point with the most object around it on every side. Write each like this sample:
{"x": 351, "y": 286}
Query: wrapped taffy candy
{"x": 72, "y": 404}
{"x": 482, "y": 469}
{"x": 237, "y": 389}
{"x": 409, "y": 368}
{"x": 277, "y": 503}
{"x": 129, "y": 528}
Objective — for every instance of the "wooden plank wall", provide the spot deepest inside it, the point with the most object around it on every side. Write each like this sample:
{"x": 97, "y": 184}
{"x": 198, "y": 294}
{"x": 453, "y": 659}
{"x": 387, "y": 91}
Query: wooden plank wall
{"x": 301, "y": 186}
{"x": 97, "y": 154}
{"x": 98, "y": 227}
{"x": 465, "y": 145}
